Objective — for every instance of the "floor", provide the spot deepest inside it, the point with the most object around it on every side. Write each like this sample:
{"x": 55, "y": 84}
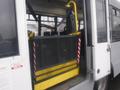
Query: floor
{"x": 115, "y": 84}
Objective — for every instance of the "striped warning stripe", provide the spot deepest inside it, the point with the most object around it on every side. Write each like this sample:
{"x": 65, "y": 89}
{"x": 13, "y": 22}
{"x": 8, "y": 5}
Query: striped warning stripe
{"x": 34, "y": 56}
{"x": 78, "y": 52}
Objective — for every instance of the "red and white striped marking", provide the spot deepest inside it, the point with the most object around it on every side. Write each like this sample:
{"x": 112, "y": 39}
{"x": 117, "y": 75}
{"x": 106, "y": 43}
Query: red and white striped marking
{"x": 34, "y": 56}
{"x": 16, "y": 66}
{"x": 78, "y": 52}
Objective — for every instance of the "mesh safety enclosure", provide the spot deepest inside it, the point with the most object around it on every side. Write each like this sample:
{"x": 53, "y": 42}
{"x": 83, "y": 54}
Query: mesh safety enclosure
{"x": 52, "y": 50}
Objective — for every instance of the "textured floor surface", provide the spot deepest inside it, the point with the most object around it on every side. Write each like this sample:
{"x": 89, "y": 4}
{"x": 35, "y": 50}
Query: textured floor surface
{"x": 115, "y": 84}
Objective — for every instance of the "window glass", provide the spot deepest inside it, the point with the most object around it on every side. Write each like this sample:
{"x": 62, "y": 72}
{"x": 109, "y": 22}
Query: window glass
{"x": 116, "y": 26}
{"x": 31, "y": 17}
{"x": 101, "y": 21}
{"x": 51, "y": 19}
{"x": 44, "y": 18}
{"x": 60, "y": 19}
{"x": 81, "y": 25}
{"x": 8, "y": 29}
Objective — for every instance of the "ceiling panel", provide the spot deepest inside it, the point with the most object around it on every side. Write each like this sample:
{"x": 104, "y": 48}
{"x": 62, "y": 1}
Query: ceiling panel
{"x": 50, "y": 7}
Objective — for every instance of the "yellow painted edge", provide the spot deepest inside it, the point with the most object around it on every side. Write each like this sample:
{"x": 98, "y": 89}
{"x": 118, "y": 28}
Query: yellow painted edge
{"x": 55, "y": 73}
{"x": 31, "y": 35}
{"x": 75, "y": 33}
{"x": 56, "y": 80}
{"x": 40, "y": 72}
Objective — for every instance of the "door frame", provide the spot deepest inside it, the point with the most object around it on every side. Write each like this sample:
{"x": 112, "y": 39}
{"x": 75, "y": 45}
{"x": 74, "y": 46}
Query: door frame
{"x": 100, "y": 69}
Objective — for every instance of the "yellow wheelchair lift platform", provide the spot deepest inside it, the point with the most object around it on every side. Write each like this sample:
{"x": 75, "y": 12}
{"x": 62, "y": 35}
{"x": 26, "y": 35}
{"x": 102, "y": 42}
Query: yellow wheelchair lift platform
{"x": 52, "y": 76}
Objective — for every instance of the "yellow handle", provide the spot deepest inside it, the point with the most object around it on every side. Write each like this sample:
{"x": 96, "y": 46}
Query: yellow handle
{"x": 75, "y": 11}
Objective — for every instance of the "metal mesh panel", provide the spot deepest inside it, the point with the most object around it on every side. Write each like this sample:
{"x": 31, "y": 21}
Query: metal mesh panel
{"x": 67, "y": 48}
{"x": 53, "y": 50}
{"x": 46, "y": 52}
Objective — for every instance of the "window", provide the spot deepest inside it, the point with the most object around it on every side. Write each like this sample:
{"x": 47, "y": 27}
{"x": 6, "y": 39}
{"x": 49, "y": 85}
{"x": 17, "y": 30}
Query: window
{"x": 81, "y": 25}
{"x": 115, "y": 33}
{"x": 101, "y": 21}
{"x": 44, "y": 18}
{"x": 8, "y": 29}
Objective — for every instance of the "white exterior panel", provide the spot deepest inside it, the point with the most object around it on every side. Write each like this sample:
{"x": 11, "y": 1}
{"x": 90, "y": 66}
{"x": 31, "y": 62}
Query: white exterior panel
{"x": 15, "y": 70}
{"x": 101, "y": 51}
{"x": 21, "y": 77}
{"x": 101, "y": 61}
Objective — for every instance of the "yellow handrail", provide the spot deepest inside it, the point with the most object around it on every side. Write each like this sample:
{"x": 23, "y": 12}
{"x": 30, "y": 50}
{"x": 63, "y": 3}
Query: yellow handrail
{"x": 75, "y": 11}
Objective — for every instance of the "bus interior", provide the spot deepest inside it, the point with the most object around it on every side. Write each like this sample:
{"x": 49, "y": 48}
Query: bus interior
{"x": 56, "y": 43}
